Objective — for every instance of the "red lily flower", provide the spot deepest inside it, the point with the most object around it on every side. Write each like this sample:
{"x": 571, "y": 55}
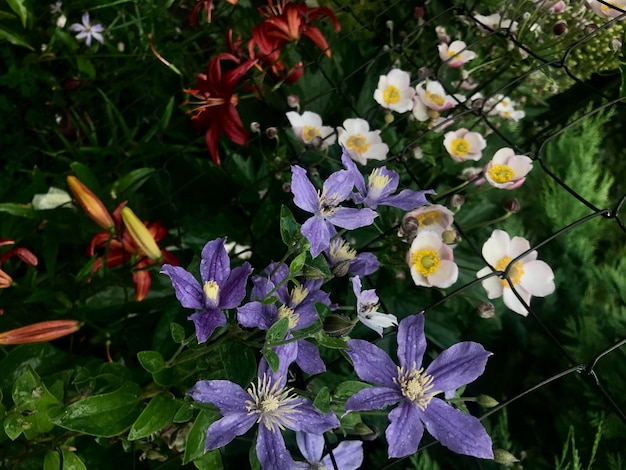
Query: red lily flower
{"x": 214, "y": 111}
{"x": 208, "y": 7}
{"x": 22, "y": 253}
{"x": 120, "y": 249}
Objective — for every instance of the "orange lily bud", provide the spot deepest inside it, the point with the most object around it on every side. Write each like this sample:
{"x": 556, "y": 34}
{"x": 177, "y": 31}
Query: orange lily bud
{"x": 90, "y": 203}
{"x": 5, "y": 280}
{"x": 140, "y": 234}
{"x": 39, "y": 332}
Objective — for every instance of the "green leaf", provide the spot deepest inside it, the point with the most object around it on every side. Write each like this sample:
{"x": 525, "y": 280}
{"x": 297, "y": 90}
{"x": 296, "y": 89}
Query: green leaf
{"x": 346, "y": 389}
{"x": 194, "y": 449}
{"x": 14, "y": 38}
{"x": 71, "y": 461}
{"x": 20, "y": 9}
{"x": 42, "y": 357}
{"x": 163, "y": 123}
{"x": 19, "y": 210}
{"x": 322, "y": 400}
{"x": 85, "y": 66}
{"x": 253, "y": 459}
{"x": 13, "y": 425}
{"x": 238, "y": 361}
{"x": 131, "y": 182}
{"x": 272, "y": 359}
{"x": 329, "y": 342}
{"x": 86, "y": 176}
{"x": 159, "y": 412}
{"x": 178, "y": 332}
{"x": 289, "y": 228}
{"x": 105, "y": 415}
{"x": 277, "y": 331}
{"x": 183, "y": 414}
{"x": 33, "y": 400}
{"x": 316, "y": 268}
{"x": 152, "y": 361}
{"x": 297, "y": 264}
{"x": 210, "y": 461}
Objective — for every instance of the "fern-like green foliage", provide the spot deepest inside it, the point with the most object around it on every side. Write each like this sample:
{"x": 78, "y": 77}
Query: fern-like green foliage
{"x": 570, "y": 458}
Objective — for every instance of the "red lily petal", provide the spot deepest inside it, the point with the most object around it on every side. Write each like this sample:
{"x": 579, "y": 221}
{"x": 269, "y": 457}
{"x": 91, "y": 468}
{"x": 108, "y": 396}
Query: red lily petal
{"x": 99, "y": 240}
{"x": 318, "y": 39}
{"x": 142, "y": 281}
{"x": 212, "y": 137}
{"x": 26, "y": 255}
{"x": 231, "y": 78}
{"x": 5, "y": 280}
{"x": 233, "y": 127}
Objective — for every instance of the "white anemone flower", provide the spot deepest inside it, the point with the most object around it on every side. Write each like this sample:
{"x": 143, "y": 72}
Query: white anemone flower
{"x": 432, "y": 218}
{"x": 505, "y": 107}
{"x": 608, "y": 9}
{"x": 507, "y": 170}
{"x": 495, "y": 22}
{"x": 361, "y": 143}
{"x": 434, "y": 96}
{"x": 455, "y": 54}
{"x": 463, "y": 145}
{"x": 529, "y": 276}
{"x": 309, "y": 129}
{"x": 431, "y": 261}
{"x": 394, "y": 91}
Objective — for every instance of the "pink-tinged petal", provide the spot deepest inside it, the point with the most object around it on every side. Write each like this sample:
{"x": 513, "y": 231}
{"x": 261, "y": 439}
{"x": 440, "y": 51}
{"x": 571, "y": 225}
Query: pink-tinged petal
{"x": 348, "y": 456}
{"x": 375, "y": 398}
{"x": 372, "y": 364}
{"x": 446, "y": 275}
{"x": 518, "y": 246}
{"x": 521, "y": 165}
{"x": 501, "y": 157}
{"x": 271, "y": 450}
{"x": 512, "y": 302}
{"x": 339, "y": 185}
{"x": 311, "y": 446}
{"x": 206, "y": 322}
{"x": 538, "y": 279}
{"x": 318, "y": 234}
{"x": 459, "y": 432}
{"x": 188, "y": 290}
{"x": 492, "y": 285}
{"x": 304, "y": 193}
{"x": 351, "y": 218}
{"x": 458, "y": 365}
{"x": 496, "y": 247}
{"x": 405, "y": 430}
{"x": 426, "y": 239}
{"x": 234, "y": 289}
{"x": 227, "y": 396}
{"x": 309, "y": 359}
{"x": 310, "y": 419}
{"x": 215, "y": 263}
{"x": 226, "y": 429}
{"x": 411, "y": 341}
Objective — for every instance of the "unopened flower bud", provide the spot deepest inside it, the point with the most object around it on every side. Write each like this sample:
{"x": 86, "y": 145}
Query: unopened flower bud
{"x": 409, "y": 226}
{"x": 422, "y": 73}
{"x": 365, "y": 432}
{"x": 590, "y": 28}
{"x": 293, "y": 101}
{"x": 140, "y": 234}
{"x": 338, "y": 325}
{"x": 419, "y": 13}
{"x": 317, "y": 142}
{"x": 558, "y": 7}
{"x": 255, "y": 127}
{"x": 341, "y": 268}
{"x": 512, "y": 205}
{"x": 560, "y": 27}
{"x": 470, "y": 173}
{"x": 504, "y": 457}
{"x": 450, "y": 237}
{"x": 389, "y": 118}
{"x": 39, "y": 332}
{"x": 486, "y": 401}
{"x": 271, "y": 132}
{"x": 418, "y": 153}
{"x": 90, "y": 203}
{"x": 389, "y": 24}
{"x": 616, "y": 44}
{"x": 486, "y": 310}
{"x": 287, "y": 187}
{"x": 456, "y": 201}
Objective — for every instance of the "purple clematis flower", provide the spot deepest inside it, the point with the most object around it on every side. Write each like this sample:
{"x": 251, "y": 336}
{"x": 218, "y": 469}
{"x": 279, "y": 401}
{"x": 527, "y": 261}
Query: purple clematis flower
{"x": 325, "y": 207}
{"x": 348, "y": 454}
{"x": 298, "y": 305}
{"x": 342, "y": 259}
{"x": 221, "y": 288}
{"x": 267, "y": 402}
{"x": 415, "y": 389}
{"x": 367, "y": 306}
{"x": 380, "y": 186}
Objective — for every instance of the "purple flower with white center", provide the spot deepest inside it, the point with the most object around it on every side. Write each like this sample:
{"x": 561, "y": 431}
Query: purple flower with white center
{"x": 87, "y": 31}
{"x": 298, "y": 305}
{"x": 415, "y": 390}
{"x": 342, "y": 259}
{"x": 367, "y": 306}
{"x": 325, "y": 207}
{"x": 381, "y": 185}
{"x": 267, "y": 402}
{"x": 220, "y": 289}
{"x": 348, "y": 454}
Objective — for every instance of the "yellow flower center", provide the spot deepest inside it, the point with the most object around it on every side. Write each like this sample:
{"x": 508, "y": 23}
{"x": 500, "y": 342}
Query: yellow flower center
{"x": 309, "y": 133}
{"x": 435, "y": 98}
{"x": 340, "y": 250}
{"x": 416, "y": 386}
{"x": 501, "y": 173}
{"x": 515, "y": 273}
{"x": 298, "y": 294}
{"x": 274, "y": 406}
{"x": 391, "y": 95}
{"x": 451, "y": 52}
{"x": 286, "y": 312}
{"x": 211, "y": 290}
{"x": 377, "y": 179}
{"x": 428, "y": 218}
{"x": 426, "y": 261}
{"x": 358, "y": 142}
{"x": 460, "y": 147}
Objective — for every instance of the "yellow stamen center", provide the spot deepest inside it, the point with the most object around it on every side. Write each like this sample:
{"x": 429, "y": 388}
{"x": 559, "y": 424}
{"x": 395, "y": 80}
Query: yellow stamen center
{"x": 340, "y": 250}
{"x": 286, "y": 312}
{"x": 426, "y": 261}
{"x": 358, "y": 142}
{"x": 460, "y": 147}
{"x": 515, "y": 273}
{"x": 501, "y": 173}
{"x": 416, "y": 386}
{"x": 435, "y": 98}
{"x": 391, "y": 95}
{"x": 452, "y": 52}
{"x": 309, "y": 133}
{"x": 298, "y": 294}
{"x": 378, "y": 180}
{"x": 428, "y": 218}
{"x": 275, "y": 406}
{"x": 211, "y": 290}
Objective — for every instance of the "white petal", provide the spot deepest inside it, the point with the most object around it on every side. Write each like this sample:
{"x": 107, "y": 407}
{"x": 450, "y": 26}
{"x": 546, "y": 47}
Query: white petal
{"x": 511, "y": 301}
{"x": 538, "y": 278}
{"x": 492, "y": 285}
{"x": 446, "y": 274}
{"x": 426, "y": 240}
{"x": 497, "y": 247}
{"x": 502, "y": 156}
{"x": 518, "y": 246}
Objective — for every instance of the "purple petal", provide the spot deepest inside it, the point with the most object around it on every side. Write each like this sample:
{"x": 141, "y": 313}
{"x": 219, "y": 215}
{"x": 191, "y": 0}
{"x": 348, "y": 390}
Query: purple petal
{"x": 459, "y": 432}
{"x": 257, "y": 315}
{"x": 317, "y": 233}
{"x": 226, "y": 429}
{"x": 304, "y": 193}
{"x": 348, "y": 455}
{"x": 458, "y": 365}
{"x": 215, "y": 263}
{"x": 206, "y": 322}
{"x": 376, "y": 191}
{"x": 309, "y": 359}
{"x": 339, "y": 185}
{"x": 227, "y": 396}
{"x": 308, "y": 315}
{"x": 405, "y": 430}
{"x": 359, "y": 181}
{"x": 286, "y": 354}
{"x": 234, "y": 289}
{"x": 356, "y": 286}
{"x": 351, "y": 218}
{"x": 411, "y": 341}
{"x": 311, "y": 446}
{"x": 310, "y": 419}
{"x": 364, "y": 264}
{"x": 372, "y": 364}
{"x": 271, "y": 450}
{"x": 261, "y": 287}
{"x": 406, "y": 199}
{"x": 375, "y": 398}
{"x": 188, "y": 290}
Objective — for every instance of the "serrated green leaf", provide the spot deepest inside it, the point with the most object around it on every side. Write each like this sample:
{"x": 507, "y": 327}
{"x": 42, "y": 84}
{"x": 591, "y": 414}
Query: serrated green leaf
{"x": 194, "y": 448}
{"x": 277, "y": 331}
{"x": 131, "y": 182}
{"x": 212, "y": 460}
{"x": 159, "y": 412}
{"x": 19, "y": 210}
{"x": 297, "y": 264}
{"x": 71, "y": 461}
{"x": 20, "y": 9}
{"x": 322, "y": 400}
{"x": 238, "y": 361}
{"x": 152, "y": 361}
{"x": 178, "y": 332}
{"x": 14, "y": 38}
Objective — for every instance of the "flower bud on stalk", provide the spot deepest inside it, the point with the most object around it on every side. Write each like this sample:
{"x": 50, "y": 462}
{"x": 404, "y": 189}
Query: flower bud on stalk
{"x": 39, "y": 332}
{"x": 90, "y": 203}
{"x": 140, "y": 234}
